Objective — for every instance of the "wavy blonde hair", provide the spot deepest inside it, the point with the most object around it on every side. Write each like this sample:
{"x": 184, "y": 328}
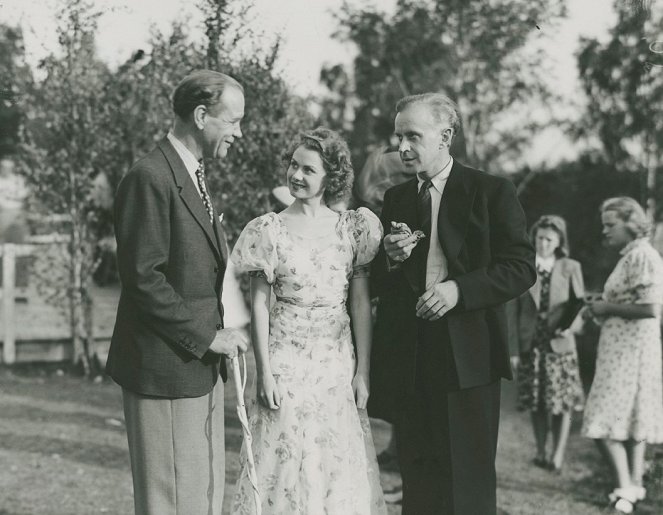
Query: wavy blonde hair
{"x": 630, "y": 211}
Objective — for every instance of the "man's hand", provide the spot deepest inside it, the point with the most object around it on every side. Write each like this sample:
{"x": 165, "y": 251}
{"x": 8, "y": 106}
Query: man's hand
{"x": 229, "y": 342}
{"x": 398, "y": 246}
{"x": 435, "y": 303}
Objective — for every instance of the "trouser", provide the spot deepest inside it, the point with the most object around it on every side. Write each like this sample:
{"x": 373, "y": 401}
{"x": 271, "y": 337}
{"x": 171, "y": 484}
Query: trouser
{"x": 177, "y": 453}
{"x": 447, "y": 440}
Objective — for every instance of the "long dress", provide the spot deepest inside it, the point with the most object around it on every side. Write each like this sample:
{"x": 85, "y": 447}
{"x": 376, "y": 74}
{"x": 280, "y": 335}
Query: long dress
{"x": 315, "y": 454}
{"x": 548, "y": 380}
{"x": 626, "y": 398}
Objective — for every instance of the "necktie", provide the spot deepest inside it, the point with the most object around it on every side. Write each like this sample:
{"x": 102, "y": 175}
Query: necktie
{"x": 424, "y": 214}
{"x": 424, "y": 208}
{"x": 200, "y": 175}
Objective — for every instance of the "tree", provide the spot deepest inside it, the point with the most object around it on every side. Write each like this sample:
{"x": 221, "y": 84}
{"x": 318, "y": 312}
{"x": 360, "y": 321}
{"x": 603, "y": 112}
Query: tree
{"x": 482, "y": 54}
{"x": 241, "y": 183}
{"x": 62, "y": 157}
{"x": 15, "y": 76}
{"x": 623, "y": 80}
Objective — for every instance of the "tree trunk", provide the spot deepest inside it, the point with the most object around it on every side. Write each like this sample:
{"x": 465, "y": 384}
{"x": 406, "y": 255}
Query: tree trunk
{"x": 79, "y": 334}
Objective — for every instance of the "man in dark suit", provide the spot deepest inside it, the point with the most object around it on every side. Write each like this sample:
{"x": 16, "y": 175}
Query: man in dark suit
{"x": 169, "y": 342}
{"x": 440, "y": 344}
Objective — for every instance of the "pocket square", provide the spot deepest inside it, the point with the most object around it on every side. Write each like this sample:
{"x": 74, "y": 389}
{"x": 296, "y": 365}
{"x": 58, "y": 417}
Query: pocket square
{"x": 221, "y": 218}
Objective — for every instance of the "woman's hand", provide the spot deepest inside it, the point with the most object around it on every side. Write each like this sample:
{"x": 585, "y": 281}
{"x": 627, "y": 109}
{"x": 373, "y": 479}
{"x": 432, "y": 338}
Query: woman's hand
{"x": 268, "y": 392}
{"x": 360, "y": 389}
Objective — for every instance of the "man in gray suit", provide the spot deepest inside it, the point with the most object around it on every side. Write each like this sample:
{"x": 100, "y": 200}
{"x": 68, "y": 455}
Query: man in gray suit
{"x": 169, "y": 342}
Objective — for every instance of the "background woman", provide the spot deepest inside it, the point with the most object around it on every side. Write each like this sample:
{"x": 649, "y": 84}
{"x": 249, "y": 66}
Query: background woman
{"x": 548, "y": 379}
{"x": 312, "y": 443}
{"x": 625, "y": 404}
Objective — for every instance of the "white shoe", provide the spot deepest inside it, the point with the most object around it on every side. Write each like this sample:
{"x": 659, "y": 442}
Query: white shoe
{"x": 640, "y": 492}
{"x": 624, "y": 499}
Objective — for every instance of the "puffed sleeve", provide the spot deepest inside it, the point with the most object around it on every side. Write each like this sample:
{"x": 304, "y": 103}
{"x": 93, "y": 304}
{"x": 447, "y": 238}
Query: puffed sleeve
{"x": 255, "y": 250}
{"x": 645, "y": 275}
{"x": 366, "y": 235}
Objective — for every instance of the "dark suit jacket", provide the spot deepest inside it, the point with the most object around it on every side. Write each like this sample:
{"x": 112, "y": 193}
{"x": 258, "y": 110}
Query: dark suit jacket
{"x": 171, "y": 263}
{"x": 565, "y": 281}
{"x": 482, "y": 230}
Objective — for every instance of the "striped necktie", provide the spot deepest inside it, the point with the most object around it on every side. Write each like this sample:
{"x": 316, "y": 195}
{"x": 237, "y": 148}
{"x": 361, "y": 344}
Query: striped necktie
{"x": 200, "y": 175}
{"x": 424, "y": 215}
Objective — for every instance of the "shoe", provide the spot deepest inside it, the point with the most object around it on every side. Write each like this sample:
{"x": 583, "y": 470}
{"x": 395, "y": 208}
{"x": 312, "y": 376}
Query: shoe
{"x": 540, "y": 462}
{"x": 555, "y": 469}
{"x": 640, "y": 492}
{"x": 394, "y": 496}
{"x": 624, "y": 499}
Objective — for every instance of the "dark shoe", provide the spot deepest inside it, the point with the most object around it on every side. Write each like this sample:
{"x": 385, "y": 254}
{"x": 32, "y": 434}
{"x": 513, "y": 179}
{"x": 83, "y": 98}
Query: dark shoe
{"x": 540, "y": 462}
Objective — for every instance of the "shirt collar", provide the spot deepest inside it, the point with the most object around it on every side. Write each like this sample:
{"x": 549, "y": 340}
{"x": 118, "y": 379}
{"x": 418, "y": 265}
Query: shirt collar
{"x": 545, "y": 264}
{"x": 440, "y": 178}
{"x": 190, "y": 161}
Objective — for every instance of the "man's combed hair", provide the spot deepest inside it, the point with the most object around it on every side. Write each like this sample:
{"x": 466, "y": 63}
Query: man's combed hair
{"x": 201, "y": 87}
{"x": 335, "y": 156}
{"x": 443, "y": 109}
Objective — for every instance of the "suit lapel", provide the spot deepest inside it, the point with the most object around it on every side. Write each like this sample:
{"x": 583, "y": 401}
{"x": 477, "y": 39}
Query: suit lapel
{"x": 559, "y": 285}
{"x": 454, "y": 211}
{"x": 220, "y": 238}
{"x": 189, "y": 194}
{"x": 405, "y": 210}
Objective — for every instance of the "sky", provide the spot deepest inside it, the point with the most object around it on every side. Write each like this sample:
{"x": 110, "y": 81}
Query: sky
{"x": 306, "y": 27}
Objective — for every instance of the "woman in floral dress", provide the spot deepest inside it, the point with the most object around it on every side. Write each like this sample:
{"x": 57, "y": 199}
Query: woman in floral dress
{"x": 624, "y": 409}
{"x": 312, "y": 443}
{"x": 549, "y": 384}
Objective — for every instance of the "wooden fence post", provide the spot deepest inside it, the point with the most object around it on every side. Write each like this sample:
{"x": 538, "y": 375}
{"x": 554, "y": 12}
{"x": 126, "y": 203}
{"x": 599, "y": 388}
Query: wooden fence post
{"x": 8, "y": 303}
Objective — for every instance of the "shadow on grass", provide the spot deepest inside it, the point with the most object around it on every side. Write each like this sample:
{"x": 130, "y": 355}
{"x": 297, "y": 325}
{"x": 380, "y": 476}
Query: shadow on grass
{"x": 101, "y": 455}
{"x": 39, "y": 415}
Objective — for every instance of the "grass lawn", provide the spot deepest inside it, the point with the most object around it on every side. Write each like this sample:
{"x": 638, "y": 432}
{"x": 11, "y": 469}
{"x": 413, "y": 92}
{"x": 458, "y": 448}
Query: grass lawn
{"x": 63, "y": 451}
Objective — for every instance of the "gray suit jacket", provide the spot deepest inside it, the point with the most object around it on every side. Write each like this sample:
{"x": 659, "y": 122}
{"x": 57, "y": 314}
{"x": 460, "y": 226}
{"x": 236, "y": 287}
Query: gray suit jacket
{"x": 171, "y": 262}
{"x": 565, "y": 279}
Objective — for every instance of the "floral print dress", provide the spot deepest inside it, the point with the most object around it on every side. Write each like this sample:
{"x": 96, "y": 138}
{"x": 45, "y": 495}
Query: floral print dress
{"x": 315, "y": 454}
{"x": 626, "y": 398}
{"x": 548, "y": 380}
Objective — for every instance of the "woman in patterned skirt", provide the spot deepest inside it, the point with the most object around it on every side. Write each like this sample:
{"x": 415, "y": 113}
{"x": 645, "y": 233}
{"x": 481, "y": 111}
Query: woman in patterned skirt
{"x": 548, "y": 378}
{"x": 625, "y": 404}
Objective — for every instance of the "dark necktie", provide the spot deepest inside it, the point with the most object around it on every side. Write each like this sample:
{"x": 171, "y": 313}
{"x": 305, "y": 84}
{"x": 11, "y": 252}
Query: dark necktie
{"x": 424, "y": 208}
{"x": 200, "y": 175}
{"x": 424, "y": 214}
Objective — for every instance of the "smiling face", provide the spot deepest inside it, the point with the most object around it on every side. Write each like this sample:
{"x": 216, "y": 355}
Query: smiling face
{"x": 423, "y": 142}
{"x": 222, "y": 124}
{"x": 546, "y": 242}
{"x": 615, "y": 231}
{"x": 306, "y": 174}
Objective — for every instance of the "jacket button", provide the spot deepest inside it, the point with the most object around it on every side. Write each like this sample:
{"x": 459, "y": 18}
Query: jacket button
{"x": 218, "y": 327}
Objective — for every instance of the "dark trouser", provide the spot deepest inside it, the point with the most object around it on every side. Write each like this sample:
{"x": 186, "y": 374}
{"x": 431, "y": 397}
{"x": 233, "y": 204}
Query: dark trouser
{"x": 447, "y": 441}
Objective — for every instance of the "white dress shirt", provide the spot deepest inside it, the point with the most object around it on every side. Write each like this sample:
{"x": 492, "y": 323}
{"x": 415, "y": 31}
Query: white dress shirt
{"x": 437, "y": 268}
{"x": 190, "y": 162}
